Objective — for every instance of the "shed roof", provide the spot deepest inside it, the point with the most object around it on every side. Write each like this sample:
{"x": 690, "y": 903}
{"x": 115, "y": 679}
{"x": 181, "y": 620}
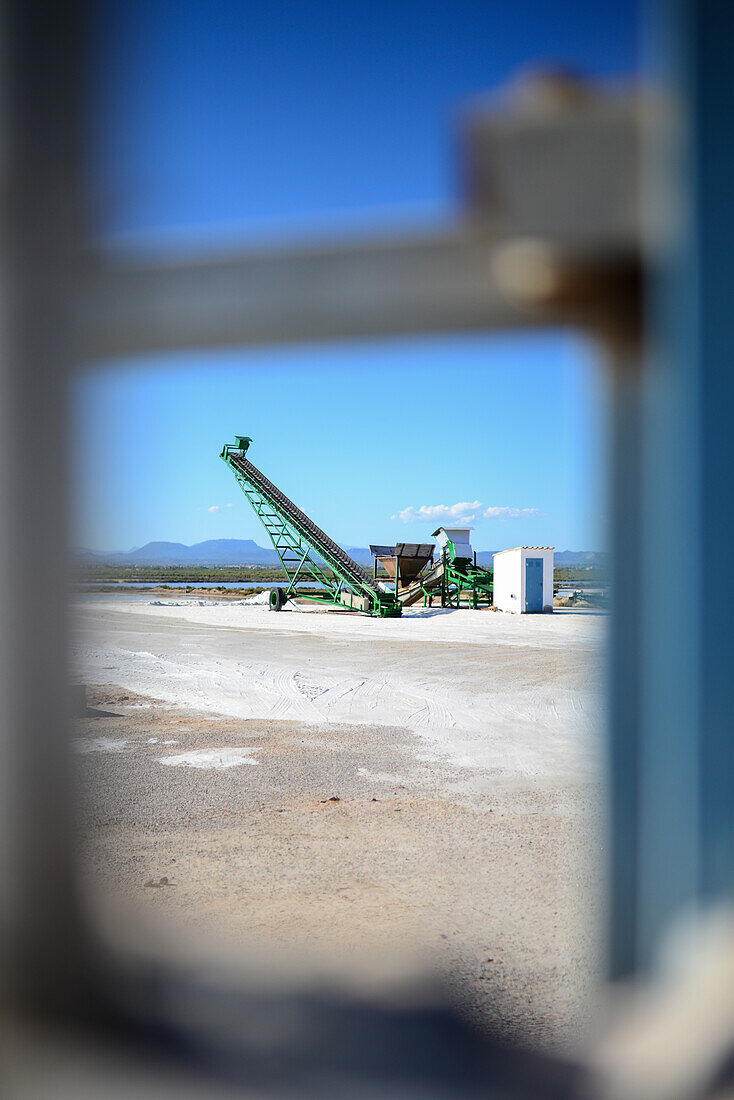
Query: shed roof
{"x": 511, "y": 548}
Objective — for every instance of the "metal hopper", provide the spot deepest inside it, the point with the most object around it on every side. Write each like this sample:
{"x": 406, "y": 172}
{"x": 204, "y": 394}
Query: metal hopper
{"x": 404, "y": 560}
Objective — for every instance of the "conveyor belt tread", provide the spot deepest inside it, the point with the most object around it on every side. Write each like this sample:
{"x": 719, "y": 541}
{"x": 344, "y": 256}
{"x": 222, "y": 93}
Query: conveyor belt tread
{"x": 333, "y": 553}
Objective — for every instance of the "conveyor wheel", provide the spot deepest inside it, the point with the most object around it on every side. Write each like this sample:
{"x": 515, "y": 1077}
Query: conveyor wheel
{"x": 277, "y": 599}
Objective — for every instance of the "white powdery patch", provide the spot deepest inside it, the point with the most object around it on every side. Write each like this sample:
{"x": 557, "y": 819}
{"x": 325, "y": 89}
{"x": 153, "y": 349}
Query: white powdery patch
{"x": 99, "y": 744}
{"x": 210, "y": 759}
{"x": 260, "y": 598}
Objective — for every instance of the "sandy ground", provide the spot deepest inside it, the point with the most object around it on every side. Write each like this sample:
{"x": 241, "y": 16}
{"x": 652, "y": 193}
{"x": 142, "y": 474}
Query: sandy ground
{"x": 335, "y": 786}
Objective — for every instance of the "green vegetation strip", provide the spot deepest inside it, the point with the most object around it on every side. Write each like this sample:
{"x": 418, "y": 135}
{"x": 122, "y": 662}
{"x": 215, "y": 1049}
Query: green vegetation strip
{"x": 175, "y": 574}
{"x": 183, "y": 574}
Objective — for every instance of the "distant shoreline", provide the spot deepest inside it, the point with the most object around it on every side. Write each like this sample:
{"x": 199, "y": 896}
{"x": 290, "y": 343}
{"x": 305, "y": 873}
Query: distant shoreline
{"x": 165, "y": 590}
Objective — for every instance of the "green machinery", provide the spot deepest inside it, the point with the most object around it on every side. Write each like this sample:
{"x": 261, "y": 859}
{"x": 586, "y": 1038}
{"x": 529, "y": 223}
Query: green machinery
{"x": 453, "y": 581}
{"x": 307, "y": 554}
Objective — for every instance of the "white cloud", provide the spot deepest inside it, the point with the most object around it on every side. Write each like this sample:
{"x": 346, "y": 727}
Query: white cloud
{"x": 229, "y": 506}
{"x": 509, "y": 513}
{"x": 464, "y": 513}
{"x": 214, "y": 508}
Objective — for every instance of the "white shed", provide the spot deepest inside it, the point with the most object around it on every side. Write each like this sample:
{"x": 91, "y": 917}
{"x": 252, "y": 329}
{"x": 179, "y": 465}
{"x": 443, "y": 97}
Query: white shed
{"x": 523, "y": 579}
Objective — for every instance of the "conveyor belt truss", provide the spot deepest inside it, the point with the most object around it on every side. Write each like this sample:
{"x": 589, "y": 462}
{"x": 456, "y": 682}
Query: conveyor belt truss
{"x": 311, "y": 559}
{"x": 454, "y": 582}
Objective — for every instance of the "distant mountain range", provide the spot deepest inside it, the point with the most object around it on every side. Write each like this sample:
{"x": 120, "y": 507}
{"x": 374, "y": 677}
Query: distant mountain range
{"x": 235, "y": 552}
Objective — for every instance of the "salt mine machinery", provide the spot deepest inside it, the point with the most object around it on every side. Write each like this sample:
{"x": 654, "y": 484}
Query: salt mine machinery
{"x": 307, "y": 554}
{"x": 454, "y": 579}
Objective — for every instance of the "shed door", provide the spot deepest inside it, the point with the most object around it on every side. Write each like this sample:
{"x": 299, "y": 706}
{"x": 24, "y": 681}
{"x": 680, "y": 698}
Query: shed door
{"x": 533, "y": 584}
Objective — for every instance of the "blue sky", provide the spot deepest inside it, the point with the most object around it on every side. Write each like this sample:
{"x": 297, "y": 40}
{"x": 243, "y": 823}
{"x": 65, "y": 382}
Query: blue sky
{"x": 261, "y": 121}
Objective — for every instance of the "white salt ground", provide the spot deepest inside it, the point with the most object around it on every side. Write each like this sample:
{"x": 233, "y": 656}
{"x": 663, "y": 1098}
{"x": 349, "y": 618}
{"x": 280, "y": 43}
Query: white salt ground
{"x": 423, "y": 624}
{"x": 99, "y": 744}
{"x": 210, "y": 759}
{"x": 518, "y": 693}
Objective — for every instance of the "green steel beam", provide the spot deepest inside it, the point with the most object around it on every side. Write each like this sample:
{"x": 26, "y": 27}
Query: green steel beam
{"x": 461, "y": 576}
{"x": 306, "y": 553}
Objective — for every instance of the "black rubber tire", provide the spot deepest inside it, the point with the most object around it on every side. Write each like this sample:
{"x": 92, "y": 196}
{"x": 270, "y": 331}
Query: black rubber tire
{"x": 277, "y": 599}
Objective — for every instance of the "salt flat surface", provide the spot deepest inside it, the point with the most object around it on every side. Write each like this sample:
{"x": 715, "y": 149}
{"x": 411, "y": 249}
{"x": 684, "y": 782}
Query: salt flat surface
{"x": 423, "y": 624}
{"x": 519, "y": 695}
{"x": 210, "y": 759}
{"x": 99, "y": 744}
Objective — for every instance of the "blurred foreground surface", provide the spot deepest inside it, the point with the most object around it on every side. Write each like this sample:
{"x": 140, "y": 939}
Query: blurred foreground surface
{"x": 315, "y": 796}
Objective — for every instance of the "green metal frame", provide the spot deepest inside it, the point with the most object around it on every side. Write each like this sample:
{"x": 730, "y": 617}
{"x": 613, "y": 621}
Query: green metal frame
{"x": 463, "y": 584}
{"x": 300, "y": 559}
